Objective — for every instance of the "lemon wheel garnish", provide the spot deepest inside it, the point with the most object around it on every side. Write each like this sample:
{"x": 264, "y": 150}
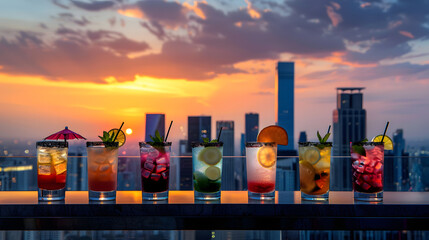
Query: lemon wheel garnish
{"x": 210, "y": 155}
{"x": 312, "y": 155}
{"x": 388, "y": 143}
{"x": 267, "y": 156}
{"x": 212, "y": 173}
{"x": 121, "y": 136}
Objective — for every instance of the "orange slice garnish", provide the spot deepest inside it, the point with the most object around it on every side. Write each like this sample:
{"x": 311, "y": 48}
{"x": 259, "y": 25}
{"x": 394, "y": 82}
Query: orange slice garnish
{"x": 273, "y": 134}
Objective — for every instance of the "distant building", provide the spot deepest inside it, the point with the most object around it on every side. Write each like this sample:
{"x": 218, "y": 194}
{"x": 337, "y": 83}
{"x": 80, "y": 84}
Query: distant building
{"x": 199, "y": 127}
{"x": 183, "y": 144}
{"x": 287, "y": 177}
{"x": 302, "y": 137}
{"x": 252, "y": 126}
{"x": 284, "y": 103}
{"x": 227, "y": 136}
{"x": 402, "y": 161}
{"x": 349, "y": 125}
{"x": 243, "y": 144}
{"x": 154, "y": 122}
{"x": 77, "y": 173}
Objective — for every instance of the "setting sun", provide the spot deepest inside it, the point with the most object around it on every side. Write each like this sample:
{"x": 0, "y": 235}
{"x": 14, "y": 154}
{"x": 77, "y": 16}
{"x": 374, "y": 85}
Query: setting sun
{"x": 129, "y": 131}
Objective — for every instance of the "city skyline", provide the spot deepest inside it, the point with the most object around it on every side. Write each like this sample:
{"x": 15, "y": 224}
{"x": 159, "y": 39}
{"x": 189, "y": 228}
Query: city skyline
{"x": 100, "y": 65}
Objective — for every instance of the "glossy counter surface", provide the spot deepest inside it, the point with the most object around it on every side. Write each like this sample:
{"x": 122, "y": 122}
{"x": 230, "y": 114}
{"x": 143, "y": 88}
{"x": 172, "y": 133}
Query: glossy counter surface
{"x": 399, "y": 211}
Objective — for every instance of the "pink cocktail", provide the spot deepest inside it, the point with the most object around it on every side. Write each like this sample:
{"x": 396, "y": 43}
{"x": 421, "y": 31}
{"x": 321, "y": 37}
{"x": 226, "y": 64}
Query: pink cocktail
{"x": 367, "y": 170}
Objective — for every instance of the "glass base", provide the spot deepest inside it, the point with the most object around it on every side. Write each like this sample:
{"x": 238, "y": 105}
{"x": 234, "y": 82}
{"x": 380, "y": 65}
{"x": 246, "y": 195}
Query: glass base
{"x": 368, "y": 197}
{"x": 101, "y": 196}
{"x": 206, "y": 196}
{"x": 308, "y": 197}
{"x": 155, "y": 196}
{"x": 52, "y": 195}
{"x": 261, "y": 196}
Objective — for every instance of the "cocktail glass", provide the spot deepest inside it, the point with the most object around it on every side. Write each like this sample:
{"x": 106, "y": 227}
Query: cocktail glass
{"x": 207, "y": 170}
{"x": 102, "y": 170}
{"x": 155, "y": 169}
{"x": 314, "y": 170}
{"x": 367, "y": 170}
{"x": 261, "y": 161}
{"x": 51, "y": 170}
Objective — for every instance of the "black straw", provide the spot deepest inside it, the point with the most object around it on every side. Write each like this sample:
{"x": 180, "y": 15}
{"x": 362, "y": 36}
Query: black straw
{"x": 218, "y": 136}
{"x": 329, "y": 129}
{"x": 385, "y": 130}
{"x": 166, "y": 136}
{"x": 118, "y": 132}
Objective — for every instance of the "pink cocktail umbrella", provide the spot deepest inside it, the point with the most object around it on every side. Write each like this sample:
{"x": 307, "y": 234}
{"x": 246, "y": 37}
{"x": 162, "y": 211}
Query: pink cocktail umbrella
{"x": 65, "y": 134}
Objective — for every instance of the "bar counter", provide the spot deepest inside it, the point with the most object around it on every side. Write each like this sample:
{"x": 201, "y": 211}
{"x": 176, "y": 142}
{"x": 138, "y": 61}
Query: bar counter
{"x": 399, "y": 211}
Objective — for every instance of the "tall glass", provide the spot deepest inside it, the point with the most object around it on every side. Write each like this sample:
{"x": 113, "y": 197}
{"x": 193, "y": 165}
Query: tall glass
{"x": 155, "y": 170}
{"x": 367, "y": 171}
{"x": 207, "y": 170}
{"x": 51, "y": 170}
{"x": 261, "y": 161}
{"x": 102, "y": 170}
{"x": 314, "y": 170}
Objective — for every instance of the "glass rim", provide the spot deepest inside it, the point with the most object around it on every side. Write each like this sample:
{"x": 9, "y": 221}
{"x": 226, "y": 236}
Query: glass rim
{"x": 155, "y": 144}
{"x": 99, "y": 143}
{"x": 314, "y": 144}
{"x": 209, "y": 144}
{"x": 367, "y": 143}
{"x": 59, "y": 144}
{"x": 260, "y": 144}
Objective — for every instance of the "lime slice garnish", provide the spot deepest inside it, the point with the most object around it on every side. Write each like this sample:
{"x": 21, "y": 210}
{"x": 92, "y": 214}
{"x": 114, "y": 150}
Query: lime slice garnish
{"x": 212, "y": 173}
{"x": 210, "y": 155}
{"x": 121, "y": 136}
{"x": 388, "y": 143}
{"x": 312, "y": 155}
{"x": 266, "y": 156}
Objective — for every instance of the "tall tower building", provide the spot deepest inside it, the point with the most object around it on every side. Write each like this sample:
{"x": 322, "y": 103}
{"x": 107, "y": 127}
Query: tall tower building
{"x": 252, "y": 126}
{"x": 227, "y": 136}
{"x": 349, "y": 125}
{"x": 154, "y": 121}
{"x": 302, "y": 137}
{"x": 199, "y": 127}
{"x": 284, "y": 101}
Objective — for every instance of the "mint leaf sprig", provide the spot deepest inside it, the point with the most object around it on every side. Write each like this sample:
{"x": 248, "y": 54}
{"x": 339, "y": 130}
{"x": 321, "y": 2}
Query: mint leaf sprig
{"x": 323, "y": 141}
{"x": 207, "y": 140}
{"x": 358, "y": 148}
{"x": 106, "y": 137}
{"x": 157, "y": 139}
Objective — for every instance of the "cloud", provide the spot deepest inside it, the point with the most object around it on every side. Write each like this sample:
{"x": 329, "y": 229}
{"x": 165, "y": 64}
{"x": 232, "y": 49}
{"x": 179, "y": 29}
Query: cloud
{"x": 93, "y": 6}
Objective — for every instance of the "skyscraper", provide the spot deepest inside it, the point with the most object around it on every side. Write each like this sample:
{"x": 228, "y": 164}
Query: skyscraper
{"x": 284, "y": 101}
{"x": 252, "y": 126}
{"x": 302, "y": 137}
{"x": 401, "y": 160}
{"x": 154, "y": 122}
{"x": 199, "y": 127}
{"x": 227, "y": 136}
{"x": 349, "y": 126}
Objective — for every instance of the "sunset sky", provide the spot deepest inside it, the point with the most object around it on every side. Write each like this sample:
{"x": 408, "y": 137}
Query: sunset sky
{"x": 90, "y": 65}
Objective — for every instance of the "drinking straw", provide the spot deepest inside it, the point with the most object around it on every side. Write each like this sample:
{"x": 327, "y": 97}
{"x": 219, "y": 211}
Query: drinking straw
{"x": 166, "y": 136}
{"x": 329, "y": 129}
{"x": 118, "y": 132}
{"x": 218, "y": 136}
{"x": 385, "y": 129}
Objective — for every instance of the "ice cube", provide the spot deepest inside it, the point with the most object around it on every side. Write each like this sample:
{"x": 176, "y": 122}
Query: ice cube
{"x": 360, "y": 169}
{"x": 358, "y": 182}
{"x": 153, "y": 153}
{"x": 111, "y": 160}
{"x": 379, "y": 167}
{"x": 369, "y": 147}
{"x": 155, "y": 176}
{"x": 44, "y": 158}
{"x": 367, "y": 161}
{"x": 57, "y": 157}
{"x": 365, "y": 186}
{"x": 162, "y": 160}
{"x": 104, "y": 167}
{"x": 165, "y": 174}
{"x": 368, "y": 178}
{"x": 369, "y": 169}
{"x": 145, "y": 173}
{"x": 355, "y": 156}
{"x": 356, "y": 175}
{"x": 149, "y": 166}
{"x": 160, "y": 168}
{"x": 44, "y": 169}
{"x": 355, "y": 164}
{"x": 60, "y": 168}
{"x": 377, "y": 184}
